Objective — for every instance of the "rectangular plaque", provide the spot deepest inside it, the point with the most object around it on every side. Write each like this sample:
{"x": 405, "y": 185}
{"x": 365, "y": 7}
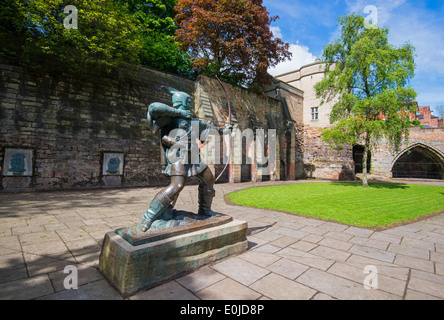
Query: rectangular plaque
{"x": 112, "y": 164}
{"x": 18, "y": 162}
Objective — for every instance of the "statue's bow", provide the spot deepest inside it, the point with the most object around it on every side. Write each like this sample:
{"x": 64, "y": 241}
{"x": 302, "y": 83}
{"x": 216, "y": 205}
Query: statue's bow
{"x": 229, "y": 121}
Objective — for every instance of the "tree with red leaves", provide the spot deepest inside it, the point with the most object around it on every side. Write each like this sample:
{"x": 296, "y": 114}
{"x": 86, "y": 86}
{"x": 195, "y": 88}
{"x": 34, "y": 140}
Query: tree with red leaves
{"x": 231, "y": 39}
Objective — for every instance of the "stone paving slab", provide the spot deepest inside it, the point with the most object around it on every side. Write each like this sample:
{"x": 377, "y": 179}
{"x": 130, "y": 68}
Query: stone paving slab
{"x": 288, "y": 257}
{"x": 228, "y": 289}
{"x": 277, "y": 287}
{"x": 341, "y": 288}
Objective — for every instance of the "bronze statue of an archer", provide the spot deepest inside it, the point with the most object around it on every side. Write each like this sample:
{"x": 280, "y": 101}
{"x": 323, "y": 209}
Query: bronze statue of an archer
{"x": 175, "y": 125}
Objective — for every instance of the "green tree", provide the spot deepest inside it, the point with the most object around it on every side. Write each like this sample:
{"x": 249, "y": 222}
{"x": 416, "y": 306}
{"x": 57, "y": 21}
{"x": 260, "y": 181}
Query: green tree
{"x": 368, "y": 78}
{"x": 160, "y": 50}
{"x": 106, "y": 33}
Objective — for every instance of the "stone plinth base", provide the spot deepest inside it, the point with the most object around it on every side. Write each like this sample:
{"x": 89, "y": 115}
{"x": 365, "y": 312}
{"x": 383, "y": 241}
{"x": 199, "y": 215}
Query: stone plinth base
{"x": 131, "y": 268}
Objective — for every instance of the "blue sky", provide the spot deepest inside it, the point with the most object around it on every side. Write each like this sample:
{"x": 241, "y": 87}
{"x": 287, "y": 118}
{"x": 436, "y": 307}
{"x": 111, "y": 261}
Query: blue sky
{"x": 309, "y": 25}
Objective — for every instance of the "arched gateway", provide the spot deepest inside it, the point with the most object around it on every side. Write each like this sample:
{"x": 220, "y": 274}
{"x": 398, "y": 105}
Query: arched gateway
{"x": 419, "y": 161}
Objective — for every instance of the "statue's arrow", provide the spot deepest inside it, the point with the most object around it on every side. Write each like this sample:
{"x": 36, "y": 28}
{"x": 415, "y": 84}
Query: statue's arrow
{"x": 229, "y": 122}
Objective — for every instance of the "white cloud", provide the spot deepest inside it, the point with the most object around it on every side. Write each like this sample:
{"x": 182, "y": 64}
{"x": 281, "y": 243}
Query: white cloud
{"x": 277, "y": 33}
{"x": 407, "y": 20}
{"x": 301, "y": 56}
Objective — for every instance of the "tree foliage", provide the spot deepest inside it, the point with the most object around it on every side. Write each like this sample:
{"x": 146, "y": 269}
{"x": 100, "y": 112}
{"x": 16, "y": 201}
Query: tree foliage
{"x": 110, "y": 32}
{"x": 230, "y": 39}
{"x": 106, "y": 34}
{"x": 157, "y": 31}
{"x": 368, "y": 78}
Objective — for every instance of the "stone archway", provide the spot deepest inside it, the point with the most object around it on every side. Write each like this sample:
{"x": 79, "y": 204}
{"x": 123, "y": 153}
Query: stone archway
{"x": 419, "y": 161}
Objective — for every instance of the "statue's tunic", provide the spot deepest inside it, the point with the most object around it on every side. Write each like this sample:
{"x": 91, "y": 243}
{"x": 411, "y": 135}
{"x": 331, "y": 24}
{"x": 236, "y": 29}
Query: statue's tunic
{"x": 179, "y": 160}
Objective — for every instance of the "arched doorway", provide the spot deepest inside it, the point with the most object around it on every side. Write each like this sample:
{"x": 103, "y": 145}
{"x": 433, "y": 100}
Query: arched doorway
{"x": 245, "y": 172}
{"x": 420, "y": 162}
{"x": 358, "y": 152}
{"x": 283, "y": 170}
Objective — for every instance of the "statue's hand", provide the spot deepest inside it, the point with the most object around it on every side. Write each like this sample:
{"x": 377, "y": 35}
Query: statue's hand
{"x": 185, "y": 114}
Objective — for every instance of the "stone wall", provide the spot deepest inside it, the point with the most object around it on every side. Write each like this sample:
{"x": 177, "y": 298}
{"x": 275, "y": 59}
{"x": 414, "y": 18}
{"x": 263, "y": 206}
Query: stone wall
{"x": 383, "y": 158}
{"x": 248, "y": 111}
{"x": 71, "y": 121}
{"x": 320, "y": 161}
{"x": 70, "y": 127}
{"x": 62, "y": 130}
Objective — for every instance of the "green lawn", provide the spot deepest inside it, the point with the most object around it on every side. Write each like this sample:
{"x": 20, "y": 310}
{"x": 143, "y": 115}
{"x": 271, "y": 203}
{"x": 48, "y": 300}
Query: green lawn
{"x": 378, "y": 206}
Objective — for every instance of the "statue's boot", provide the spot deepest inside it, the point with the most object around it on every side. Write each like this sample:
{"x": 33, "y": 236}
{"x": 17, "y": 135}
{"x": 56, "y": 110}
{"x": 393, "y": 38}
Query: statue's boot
{"x": 157, "y": 207}
{"x": 170, "y": 210}
{"x": 205, "y": 200}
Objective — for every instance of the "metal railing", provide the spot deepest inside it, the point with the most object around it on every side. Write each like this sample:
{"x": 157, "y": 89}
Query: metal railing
{"x": 418, "y": 170}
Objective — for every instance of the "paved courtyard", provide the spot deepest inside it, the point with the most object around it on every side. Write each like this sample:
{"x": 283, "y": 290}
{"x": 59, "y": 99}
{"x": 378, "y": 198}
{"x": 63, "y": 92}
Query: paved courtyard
{"x": 289, "y": 257}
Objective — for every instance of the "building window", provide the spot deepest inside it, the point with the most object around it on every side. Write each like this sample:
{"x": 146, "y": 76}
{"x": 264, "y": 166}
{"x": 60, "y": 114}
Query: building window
{"x": 314, "y": 114}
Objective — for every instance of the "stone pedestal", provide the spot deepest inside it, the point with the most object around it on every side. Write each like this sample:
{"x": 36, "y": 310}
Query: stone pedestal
{"x": 132, "y": 262}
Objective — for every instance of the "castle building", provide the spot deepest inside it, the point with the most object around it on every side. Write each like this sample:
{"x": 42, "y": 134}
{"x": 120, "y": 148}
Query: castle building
{"x": 422, "y": 156}
{"x": 304, "y": 79}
